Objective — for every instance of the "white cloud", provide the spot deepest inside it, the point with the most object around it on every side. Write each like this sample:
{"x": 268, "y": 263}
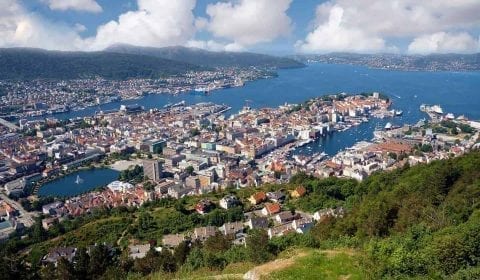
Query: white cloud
{"x": 366, "y": 25}
{"x": 156, "y": 23}
{"x": 77, "y": 5}
{"x": 442, "y": 42}
{"x": 212, "y": 45}
{"x": 332, "y": 35}
{"x": 248, "y": 22}
{"x": 19, "y": 28}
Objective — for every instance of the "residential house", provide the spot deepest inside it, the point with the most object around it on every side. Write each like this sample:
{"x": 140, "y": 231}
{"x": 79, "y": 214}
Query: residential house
{"x": 285, "y": 217}
{"x": 298, "y": 192}
{"x": 56, "y": 254}
{"x": 204, "y": 206}
{"x": 229, "y": 201}
{"x": 257, "y": 198}
{"x": 271, "y": 209}
{"x": 231, "y": 229}
{"x": 257, "y": 222}
{"x": 277, "y": 196}
{"x": 302, "y": 225}
{"x": 203, "y": 233}
{"x": 172, "y": 240}
{"x": 138, "y": 251}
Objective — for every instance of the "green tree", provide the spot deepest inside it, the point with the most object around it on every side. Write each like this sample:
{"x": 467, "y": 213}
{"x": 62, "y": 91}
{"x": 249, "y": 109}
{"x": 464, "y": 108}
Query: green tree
{"x": 65, "y": 270}
{"x": 181, "y": 252}
{"x": 257, "y": 246}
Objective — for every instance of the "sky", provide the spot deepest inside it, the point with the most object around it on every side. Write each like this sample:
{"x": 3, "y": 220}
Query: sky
{"x": 268, "y": 26}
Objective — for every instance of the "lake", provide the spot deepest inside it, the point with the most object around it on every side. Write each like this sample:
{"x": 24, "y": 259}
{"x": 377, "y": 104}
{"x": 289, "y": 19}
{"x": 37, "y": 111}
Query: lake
{"x": 456, "y": 92}
{"x": 90, "y": 179}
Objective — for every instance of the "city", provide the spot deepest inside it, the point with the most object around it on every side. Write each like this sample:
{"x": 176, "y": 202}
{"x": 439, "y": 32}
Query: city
{"x": 239, "y": 139}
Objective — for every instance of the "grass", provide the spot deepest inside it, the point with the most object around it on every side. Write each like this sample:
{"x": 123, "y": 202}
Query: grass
{"x": 316, "y": 264}
{"x": 232, "y": 271}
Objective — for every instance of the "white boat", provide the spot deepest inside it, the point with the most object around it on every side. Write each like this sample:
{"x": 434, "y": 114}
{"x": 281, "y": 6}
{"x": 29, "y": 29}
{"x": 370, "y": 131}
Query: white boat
{"x": 78, "y": 180}
{"x": 398, "y": 112}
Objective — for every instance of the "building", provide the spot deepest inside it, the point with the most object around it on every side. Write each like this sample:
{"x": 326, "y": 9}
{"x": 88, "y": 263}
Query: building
{"x": 172, "y": 240}
{"x": 271, "y": 209}
{"x": 229, "y": 201}
{"x": 118, "y": 186}
{"x": 298, "y": 192}
{"x": 257, "y": 222}
{"x": 152, "y": 169}
{"x": 56, "y": 254}
{"x": 138, "y": 251}
{"x": 257, "y": 198}
{"x": 203, "y": 233}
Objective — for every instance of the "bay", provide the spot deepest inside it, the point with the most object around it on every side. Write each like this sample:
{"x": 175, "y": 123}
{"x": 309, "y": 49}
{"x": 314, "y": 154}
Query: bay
{"x": 456, "y": 92}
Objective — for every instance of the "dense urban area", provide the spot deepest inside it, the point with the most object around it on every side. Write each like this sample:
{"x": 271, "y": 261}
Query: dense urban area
{"x": 196, "y": 189}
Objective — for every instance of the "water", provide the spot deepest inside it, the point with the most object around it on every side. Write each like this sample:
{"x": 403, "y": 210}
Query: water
{"x": 90, "y": 179}
{"x": 456, "y": 92}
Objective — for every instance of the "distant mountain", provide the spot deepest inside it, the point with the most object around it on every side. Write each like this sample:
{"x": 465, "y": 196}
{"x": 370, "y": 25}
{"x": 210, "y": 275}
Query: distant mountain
{"x": 25, "y": 64}
{"x": 433, "y": 62}
{"x": 208, "y": 58}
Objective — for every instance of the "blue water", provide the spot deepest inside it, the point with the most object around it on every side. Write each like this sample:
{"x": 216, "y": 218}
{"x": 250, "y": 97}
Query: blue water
{"x": 66, "y": 186}
{"x": 456, "y": 92}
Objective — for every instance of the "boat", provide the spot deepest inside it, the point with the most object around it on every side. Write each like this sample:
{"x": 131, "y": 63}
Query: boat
{"x": 179, "y": 104}
{"x": 388, "y": 126}
{"x": 78, "y": 180}
{"x": 167, "y": 105}
{"x": 398, "y": 113}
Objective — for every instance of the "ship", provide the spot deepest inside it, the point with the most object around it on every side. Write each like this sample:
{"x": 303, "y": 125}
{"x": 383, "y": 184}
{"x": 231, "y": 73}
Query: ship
{"x": 398, "y": 113}
{"x": 167, "y": 105}
{"x": 179, "y": 104}
{"x": 78, "y": 180}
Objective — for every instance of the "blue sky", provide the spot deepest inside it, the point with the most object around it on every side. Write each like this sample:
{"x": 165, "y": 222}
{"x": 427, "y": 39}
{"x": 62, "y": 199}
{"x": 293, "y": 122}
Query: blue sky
{"x": 269, "y": 26}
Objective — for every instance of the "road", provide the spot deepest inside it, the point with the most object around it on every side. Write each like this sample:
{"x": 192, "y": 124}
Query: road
{"x": 27, "y": 218}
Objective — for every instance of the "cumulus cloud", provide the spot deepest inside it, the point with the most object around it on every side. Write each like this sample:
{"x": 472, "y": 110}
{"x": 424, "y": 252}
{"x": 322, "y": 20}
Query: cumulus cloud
{"x": 156, "y": 23}
{"x": 20, "y": 28}
{"x": 334, "y": 36}
{"x": 248, "y": 22}
{"x": 77, "y": 5}
{"x": 366, "y": 25}
{"x": 442, "y": 42}
{"x": 212, "y": 45}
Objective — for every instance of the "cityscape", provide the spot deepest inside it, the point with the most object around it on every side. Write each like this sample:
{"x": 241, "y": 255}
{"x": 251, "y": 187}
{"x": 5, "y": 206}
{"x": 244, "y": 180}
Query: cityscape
{"x": 196, "y": 151}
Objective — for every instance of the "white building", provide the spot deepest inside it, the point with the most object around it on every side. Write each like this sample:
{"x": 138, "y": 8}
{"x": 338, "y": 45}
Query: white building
{"x": 118, "y": 186}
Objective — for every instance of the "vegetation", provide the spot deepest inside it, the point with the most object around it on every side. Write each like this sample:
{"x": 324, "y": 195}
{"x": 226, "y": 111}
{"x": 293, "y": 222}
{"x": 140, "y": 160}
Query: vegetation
{"x": 27, "y": 64}
{"x": 210, "y": 59}
{"x": 416, "y": 222}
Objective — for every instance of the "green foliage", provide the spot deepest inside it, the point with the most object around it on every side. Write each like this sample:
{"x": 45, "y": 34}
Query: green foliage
{"x": 28, "y": 64}
{"x": 257, "y": 246}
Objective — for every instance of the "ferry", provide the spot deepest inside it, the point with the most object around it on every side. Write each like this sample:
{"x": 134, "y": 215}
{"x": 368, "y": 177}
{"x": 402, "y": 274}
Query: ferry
{"x": 179, "y": 104}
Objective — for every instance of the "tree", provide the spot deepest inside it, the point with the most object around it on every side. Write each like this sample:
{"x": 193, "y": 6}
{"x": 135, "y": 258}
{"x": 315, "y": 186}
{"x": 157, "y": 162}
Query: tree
{"x": 190, "y": 170}
{"x": 217, "y": 243}
{"x": 65, "y": 270}
{"x": 100, "y": 259}
{"x": 81, "y": 263}
{"x": 48, "y": 272}
{"x": 257, "y": 246}
{"x": 181, "y": 252}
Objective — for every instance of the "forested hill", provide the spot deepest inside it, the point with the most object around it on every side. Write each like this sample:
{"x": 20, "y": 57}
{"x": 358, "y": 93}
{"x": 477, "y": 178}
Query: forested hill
{"x": 25, "y": 64}
{"x": 422, "y": 221}
{"x": 209, "y": 58}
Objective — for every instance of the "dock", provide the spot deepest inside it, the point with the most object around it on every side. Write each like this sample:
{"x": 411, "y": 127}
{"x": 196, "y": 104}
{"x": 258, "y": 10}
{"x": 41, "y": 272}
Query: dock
{"x": 9, "y": 125}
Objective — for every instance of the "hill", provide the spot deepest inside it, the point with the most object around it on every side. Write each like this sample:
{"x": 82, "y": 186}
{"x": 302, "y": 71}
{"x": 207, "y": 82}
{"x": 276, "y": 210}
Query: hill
{"x": 420, "y": 222}
{"x": 432, "y": 62}
{"x": 26, "y": 64}
{"x": 210, "y": 59}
